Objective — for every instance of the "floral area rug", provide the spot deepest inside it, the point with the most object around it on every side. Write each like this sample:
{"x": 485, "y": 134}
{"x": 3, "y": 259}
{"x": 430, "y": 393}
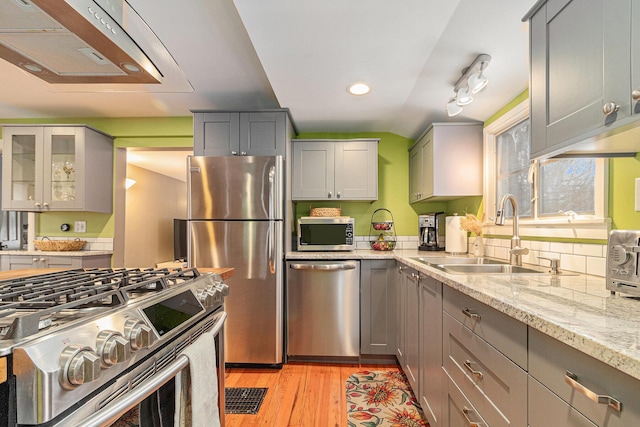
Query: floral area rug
{"x": 382, "y": 399}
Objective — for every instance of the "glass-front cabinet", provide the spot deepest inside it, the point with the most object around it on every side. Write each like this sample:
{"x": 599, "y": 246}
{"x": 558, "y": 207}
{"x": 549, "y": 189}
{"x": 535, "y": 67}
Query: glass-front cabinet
{"x": 57, "y": 168}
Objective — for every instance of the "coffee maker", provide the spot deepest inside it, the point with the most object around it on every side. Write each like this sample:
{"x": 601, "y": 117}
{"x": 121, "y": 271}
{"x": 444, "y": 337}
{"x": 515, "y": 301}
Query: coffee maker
{"x": 431, "y": 228}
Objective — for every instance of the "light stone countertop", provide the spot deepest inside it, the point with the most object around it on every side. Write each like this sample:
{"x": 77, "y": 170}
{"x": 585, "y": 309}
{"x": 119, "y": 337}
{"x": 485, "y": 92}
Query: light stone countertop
{"x": 57, "y": 253}
{"x": 575, "y": 309}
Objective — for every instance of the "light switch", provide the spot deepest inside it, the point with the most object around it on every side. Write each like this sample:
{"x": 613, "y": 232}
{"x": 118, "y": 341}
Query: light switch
{"x": 637, "y": 195}
{"x": 80, "y": 226}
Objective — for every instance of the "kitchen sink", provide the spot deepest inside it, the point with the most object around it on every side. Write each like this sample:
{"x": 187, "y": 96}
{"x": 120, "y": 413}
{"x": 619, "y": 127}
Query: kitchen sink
{"x": 434, "y": 261}
{"x": 488, "y": 269}
{"x": 455, "y": 265}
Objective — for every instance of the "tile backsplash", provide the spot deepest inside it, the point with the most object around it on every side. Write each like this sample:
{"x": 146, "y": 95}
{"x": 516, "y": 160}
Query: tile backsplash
{"x": 576, "y": 257}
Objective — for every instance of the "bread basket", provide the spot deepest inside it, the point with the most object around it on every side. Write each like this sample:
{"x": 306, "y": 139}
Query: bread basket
{"x": 325, "y": 212}
{"x": 47, "y": 244}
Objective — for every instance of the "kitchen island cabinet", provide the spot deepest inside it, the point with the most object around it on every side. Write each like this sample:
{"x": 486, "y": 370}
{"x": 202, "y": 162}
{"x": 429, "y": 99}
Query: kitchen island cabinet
{"x": 446, "y": 162}
{"x": 335, "y": 169}
{"x": 584, "y": 75}
{"x": 241, "y": 133}
{"x": 377, "y": 307}
{"x": 57, "y": 168}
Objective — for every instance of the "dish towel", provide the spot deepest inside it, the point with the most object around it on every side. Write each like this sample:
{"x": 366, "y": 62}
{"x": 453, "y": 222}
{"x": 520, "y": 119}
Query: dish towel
{"x": 197, "y": 387}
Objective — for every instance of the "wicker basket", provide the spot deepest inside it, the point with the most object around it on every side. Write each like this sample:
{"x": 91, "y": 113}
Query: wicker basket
{"x": 326, "y": 212}
{"x": 59, "y": 245}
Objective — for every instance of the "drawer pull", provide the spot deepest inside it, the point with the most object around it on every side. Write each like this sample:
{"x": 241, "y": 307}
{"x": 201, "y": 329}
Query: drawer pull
{"x": 467, "y": 364}
{"x": 572, "y": 379}
{"x": 468, "y": 313}
{"x": 465, "y": 412}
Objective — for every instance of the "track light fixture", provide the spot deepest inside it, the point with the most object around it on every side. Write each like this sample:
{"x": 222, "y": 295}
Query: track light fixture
{"x": 471, "y": 82}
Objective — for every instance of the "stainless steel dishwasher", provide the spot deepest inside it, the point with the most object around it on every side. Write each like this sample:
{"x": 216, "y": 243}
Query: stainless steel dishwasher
{"x": 323, "y": 308}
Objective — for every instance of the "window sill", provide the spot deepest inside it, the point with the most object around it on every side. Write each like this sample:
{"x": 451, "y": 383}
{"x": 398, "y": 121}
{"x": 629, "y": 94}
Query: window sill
{"x": 552, "y": 229}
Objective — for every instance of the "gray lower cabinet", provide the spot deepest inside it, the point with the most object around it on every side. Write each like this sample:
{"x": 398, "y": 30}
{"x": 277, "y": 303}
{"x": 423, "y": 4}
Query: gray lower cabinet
{"x": 402, "y": 281}
{"x": 377, "y": 307}
{"x": 241, "y": 133}
{"x": 546, "y": 409}
{"x": 480, "y": 350}
{"x": 581, "y": 72}
{"x": 572, "y": 376}
{"x": 18, "y": 262}
{"x": 457, "y": 410}
{"x": 335, "y": 169}
{"x": 431, "y": 376}
{"x": 412, "y": 331}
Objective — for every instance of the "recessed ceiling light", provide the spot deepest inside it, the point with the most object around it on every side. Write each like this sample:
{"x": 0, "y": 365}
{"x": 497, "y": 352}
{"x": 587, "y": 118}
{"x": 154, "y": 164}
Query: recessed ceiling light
{"x": 358, "y": 89}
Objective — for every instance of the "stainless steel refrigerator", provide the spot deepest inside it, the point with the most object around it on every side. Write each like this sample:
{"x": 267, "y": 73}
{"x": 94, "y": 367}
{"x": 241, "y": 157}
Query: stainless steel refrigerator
{"x": 235, "y": 219}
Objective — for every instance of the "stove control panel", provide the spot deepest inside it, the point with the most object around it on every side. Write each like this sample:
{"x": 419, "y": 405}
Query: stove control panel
{"x": 623, "y": 262}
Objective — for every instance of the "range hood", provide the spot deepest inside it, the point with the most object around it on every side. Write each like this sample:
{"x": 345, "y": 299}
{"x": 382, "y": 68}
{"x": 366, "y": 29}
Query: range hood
{"x": 76, "y": 41}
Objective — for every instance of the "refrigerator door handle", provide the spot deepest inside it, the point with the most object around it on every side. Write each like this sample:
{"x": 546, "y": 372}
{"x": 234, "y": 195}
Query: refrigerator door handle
{"x": 271, "y": 241}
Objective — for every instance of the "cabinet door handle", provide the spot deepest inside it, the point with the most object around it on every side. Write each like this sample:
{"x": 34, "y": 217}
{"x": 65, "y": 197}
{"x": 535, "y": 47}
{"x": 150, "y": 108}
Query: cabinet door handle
{"x": 38, "y": 205}
{"x": 338, "y": 195}
{"x": 45, "y": 204}
{"x": 234, "y": 153}
{"x": 243, "y": 153}
{"x": 610, "y": 108}
{"x": 635, "y": 95}
{"x": 572, "y": 379}
{"x": 470, "y": 314}
{"x": 330, "y": 194}
{"x": 467, "y": 364}
{"x": 465, "y": 412}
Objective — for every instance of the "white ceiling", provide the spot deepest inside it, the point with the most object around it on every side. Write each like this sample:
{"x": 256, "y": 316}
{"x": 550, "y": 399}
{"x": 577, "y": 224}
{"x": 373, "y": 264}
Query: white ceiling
{"x": 301, "y": 55}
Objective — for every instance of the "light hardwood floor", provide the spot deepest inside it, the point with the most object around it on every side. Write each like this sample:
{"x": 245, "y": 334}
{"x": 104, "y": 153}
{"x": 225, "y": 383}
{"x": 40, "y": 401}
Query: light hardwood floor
{"x": 299, "y": 395}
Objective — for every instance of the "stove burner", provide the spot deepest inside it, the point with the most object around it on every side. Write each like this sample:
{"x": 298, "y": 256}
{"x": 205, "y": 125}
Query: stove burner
{"x": 26, "y": 303}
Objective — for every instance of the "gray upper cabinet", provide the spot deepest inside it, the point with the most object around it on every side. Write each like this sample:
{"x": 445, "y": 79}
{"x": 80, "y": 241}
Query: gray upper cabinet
{"x": 338, "y": 169}
{"x": 247, "y": 133}
{"x": 581, "y": 86}
{"x": 446, "y": 162}
{"x": 57, "y": 168}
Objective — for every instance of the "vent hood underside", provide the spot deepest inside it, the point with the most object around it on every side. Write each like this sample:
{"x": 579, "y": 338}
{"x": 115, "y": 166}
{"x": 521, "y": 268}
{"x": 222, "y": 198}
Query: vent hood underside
{"x": 75, "y": 41}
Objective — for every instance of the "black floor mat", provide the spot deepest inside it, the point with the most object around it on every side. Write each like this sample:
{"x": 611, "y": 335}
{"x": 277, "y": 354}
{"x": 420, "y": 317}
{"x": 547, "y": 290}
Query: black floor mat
{"x": 241, "y": 400}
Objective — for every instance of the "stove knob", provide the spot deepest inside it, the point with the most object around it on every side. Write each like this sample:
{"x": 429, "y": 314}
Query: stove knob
{"x": 112, "y": 348}
{"x": 206, "y": 297}
{"x": 224, "y": 288}
{"x": 618, "y": 255}
{"x": 80, "y": 365}
{"x": 138, "y": 334}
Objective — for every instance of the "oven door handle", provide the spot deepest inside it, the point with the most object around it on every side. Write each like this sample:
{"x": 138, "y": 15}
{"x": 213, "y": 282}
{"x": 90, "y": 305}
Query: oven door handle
{"x": 326, "y": 267}
{"x": 114, "y": 410}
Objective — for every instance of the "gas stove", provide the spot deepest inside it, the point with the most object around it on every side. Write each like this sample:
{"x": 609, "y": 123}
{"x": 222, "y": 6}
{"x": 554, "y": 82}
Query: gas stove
{"x": 71, "y": 336}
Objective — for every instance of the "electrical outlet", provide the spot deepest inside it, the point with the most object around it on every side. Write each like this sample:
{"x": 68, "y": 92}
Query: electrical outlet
{"x": 80, "y": 227}
{"x": 637, "y": 194}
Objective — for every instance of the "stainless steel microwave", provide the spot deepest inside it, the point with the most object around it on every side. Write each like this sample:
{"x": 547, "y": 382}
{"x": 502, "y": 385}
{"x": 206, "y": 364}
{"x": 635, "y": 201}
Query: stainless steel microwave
{"x": 326, "y": 233}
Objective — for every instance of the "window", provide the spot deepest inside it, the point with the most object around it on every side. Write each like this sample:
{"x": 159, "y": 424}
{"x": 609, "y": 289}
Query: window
{"x": 553, "y": 193}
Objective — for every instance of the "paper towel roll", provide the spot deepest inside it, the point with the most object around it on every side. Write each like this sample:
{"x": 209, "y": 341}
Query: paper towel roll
{"x": 455, "y": 237}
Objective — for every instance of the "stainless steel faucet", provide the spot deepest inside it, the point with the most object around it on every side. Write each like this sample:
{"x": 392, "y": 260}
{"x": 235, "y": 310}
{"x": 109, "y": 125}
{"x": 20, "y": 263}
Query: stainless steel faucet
{"x": 516, "y": 250}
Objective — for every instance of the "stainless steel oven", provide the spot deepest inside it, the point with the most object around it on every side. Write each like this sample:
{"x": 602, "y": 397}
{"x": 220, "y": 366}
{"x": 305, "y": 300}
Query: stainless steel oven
{"x": 97, "y": 347}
